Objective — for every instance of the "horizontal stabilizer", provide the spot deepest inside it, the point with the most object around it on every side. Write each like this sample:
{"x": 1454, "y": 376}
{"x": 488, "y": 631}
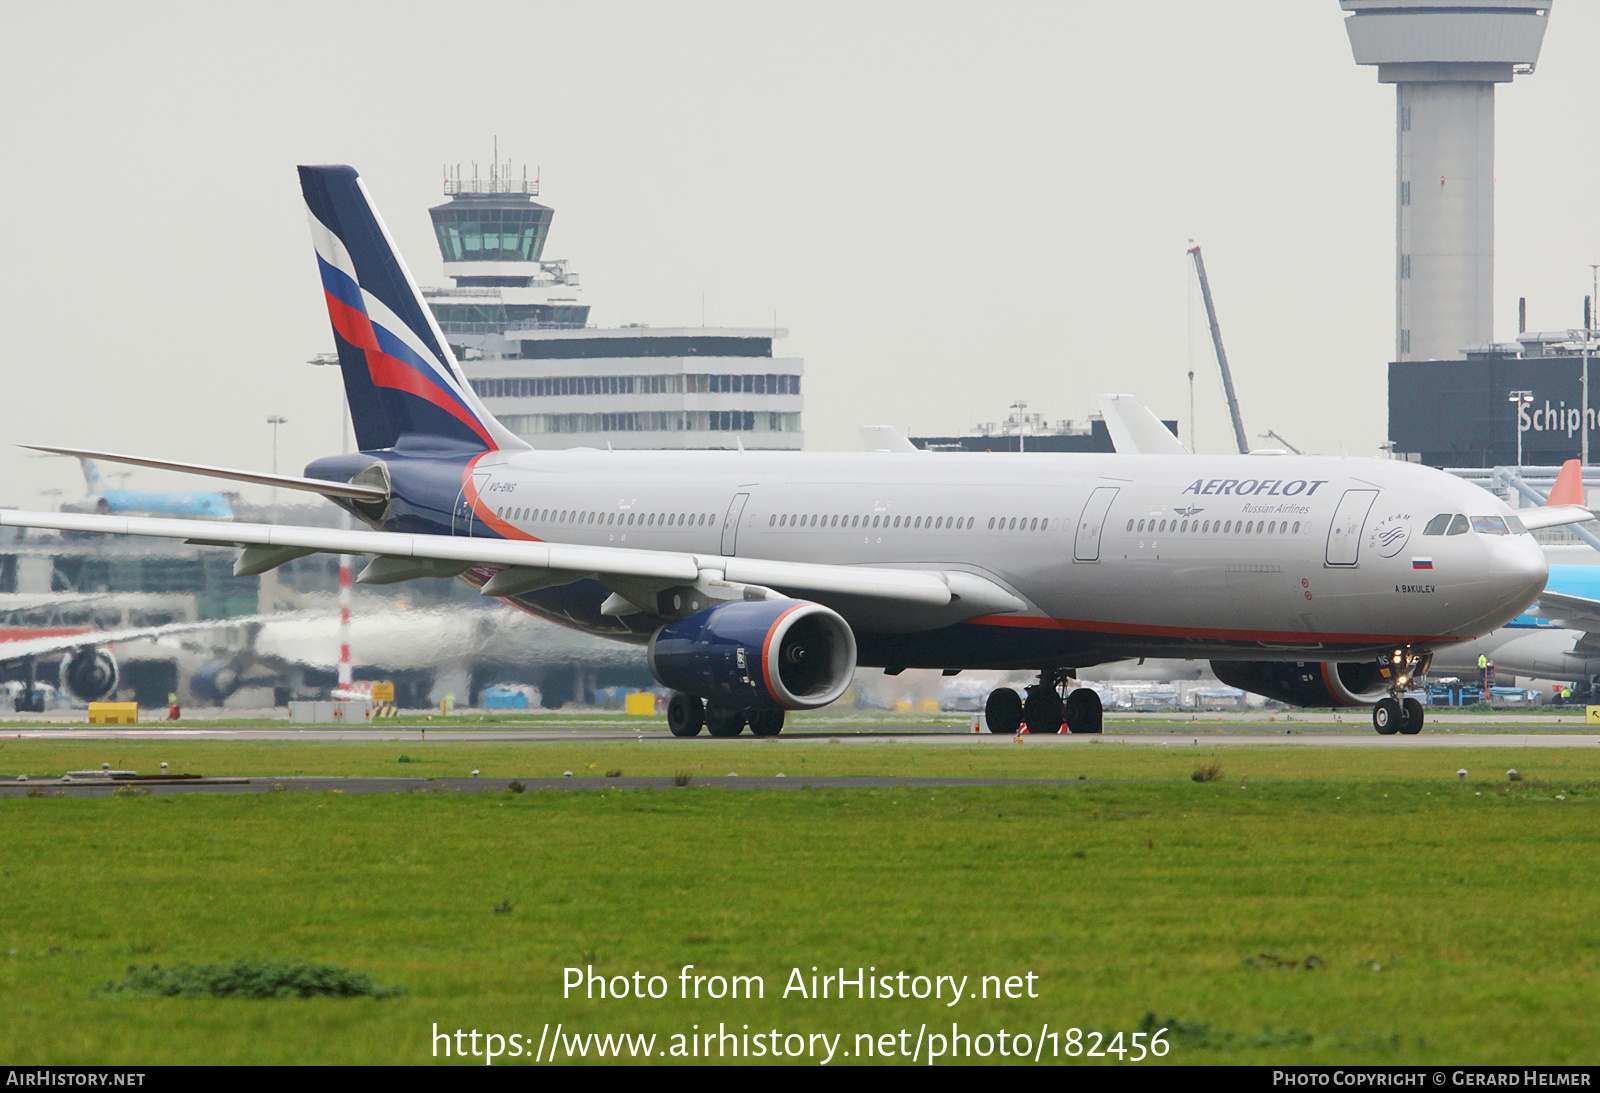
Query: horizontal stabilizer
{"x": 286, "y": 481}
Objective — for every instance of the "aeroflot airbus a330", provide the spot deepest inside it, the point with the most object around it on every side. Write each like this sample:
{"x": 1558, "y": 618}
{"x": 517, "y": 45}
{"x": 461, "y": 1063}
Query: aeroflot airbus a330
{"x": 759, "y": 580}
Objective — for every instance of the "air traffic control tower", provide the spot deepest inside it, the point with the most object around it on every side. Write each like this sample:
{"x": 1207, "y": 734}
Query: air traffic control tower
{"x": 1444, "y": 59}
{"x": 518, "y": 324}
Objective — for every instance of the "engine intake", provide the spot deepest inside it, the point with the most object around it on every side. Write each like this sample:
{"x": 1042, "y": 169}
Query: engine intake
{"x": 757, "y": 654}
{"x": 1307, "y": 683}
{"x": 90, "y": 674}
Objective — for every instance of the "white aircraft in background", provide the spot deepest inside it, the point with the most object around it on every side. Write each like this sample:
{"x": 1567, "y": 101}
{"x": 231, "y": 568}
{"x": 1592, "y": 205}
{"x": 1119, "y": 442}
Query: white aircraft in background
{"x": 759, "y": 580}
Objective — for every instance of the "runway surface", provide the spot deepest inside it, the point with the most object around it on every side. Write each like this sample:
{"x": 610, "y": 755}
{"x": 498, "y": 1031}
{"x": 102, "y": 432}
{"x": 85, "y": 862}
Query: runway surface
{"x": 1446, "y": 737}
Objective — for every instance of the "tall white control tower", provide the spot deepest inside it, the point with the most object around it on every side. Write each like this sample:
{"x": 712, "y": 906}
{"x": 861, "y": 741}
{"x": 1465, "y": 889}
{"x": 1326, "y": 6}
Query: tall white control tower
{"x": 1444, "y": 58}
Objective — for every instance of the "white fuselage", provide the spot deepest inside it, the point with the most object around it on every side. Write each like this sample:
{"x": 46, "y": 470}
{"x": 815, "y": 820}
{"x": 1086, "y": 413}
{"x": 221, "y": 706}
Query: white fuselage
{"x": 1268, "y": 557}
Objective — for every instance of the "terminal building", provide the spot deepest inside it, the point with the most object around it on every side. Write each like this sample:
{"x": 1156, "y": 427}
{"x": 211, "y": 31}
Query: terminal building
{"x": 520, "y": 327}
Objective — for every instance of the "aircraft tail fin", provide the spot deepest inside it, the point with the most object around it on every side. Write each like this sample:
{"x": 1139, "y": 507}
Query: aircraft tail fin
{"x": 400, "y": 375}
{"x": 1568, "y": 488}
{"x": 1135, "y": 429}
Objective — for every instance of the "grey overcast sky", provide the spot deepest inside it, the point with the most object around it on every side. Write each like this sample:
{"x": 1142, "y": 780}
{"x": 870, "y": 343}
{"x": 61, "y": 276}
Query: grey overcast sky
{"x": 949, "y": 205}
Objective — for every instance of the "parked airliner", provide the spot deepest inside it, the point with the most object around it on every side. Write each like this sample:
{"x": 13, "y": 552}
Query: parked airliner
{"x": 758, "y": 581}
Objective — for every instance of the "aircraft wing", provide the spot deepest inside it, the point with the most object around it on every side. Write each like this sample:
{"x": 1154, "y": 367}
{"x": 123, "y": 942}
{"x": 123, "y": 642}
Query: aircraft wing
{"x": 1572, "y": 612}
{"x": 61, "y": 643}
{"x": 530, "y": 564}
{"x": 1553, "y": 516}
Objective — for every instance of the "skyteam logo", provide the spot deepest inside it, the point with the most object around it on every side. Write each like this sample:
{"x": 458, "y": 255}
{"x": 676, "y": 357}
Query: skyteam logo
{"x": 1390, "y": 535}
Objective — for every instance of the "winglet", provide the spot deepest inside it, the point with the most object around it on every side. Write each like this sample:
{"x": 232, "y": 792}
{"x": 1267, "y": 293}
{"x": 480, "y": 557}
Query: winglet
{"x": 1568, "y": 489}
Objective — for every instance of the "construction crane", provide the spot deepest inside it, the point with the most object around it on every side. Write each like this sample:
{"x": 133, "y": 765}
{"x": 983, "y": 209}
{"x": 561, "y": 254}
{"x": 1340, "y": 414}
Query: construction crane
{"x": 1222, "y": 356}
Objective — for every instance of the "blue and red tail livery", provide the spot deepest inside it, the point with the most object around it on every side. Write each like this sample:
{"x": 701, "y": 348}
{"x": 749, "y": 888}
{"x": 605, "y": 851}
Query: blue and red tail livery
{"x": 400, "y": 375}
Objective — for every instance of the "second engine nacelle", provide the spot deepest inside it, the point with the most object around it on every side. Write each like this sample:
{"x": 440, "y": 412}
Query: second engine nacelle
{"x": 1307, "y": 683}
{"x": 775, "y": 654}
{"x": 90, "y": 674}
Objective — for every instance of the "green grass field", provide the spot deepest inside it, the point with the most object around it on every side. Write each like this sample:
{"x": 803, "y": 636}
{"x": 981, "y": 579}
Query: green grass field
{"x": 1313, "y": 905}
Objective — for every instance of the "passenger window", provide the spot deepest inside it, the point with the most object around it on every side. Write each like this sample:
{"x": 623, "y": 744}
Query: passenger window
{"x": 1437, "y": 525}
{"x": 1489, "y": 525}
{"x": 1458, "y": 525}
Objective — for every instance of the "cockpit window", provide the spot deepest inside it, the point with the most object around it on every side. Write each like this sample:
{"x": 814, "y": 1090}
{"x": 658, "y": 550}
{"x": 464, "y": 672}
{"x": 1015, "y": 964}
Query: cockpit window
{"x": 1516, "y": 526}
{"x": 1490, "y": 525}
{"x": 1437, "y": 525}
{"x": 1458, "y": 525}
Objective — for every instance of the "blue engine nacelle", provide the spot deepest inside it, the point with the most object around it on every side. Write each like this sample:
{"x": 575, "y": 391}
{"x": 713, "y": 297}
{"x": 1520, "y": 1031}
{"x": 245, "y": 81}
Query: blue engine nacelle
{"x": 757, "y": 654}
{"x": 1307, "y": 683}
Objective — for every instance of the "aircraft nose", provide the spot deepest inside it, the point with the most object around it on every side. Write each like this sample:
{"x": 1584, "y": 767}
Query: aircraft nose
{"x": 1517, "y": 574}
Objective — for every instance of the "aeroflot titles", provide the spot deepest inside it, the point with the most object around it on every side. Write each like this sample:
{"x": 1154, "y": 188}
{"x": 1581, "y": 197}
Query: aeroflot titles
{"x": 1243, "y": 487}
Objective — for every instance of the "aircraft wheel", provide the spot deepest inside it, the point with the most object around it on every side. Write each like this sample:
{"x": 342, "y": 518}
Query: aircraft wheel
{"x": 1386, "y": 717}
{"x": 766, "y": 722}
{"x": 1043, "y": 709}
{"x": 1411, "y": 717}
{"x": 1084, "y": 712}
{"x": 724, "y": 721}
{"x": 685, "y": 714}
{"x": 1003, "y": 711}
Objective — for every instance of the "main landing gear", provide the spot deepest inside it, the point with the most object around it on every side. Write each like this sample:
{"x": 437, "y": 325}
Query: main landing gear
{"x": 1045, "y": 710}
{"x": 686, "y": 715}
{"x": 1396, "y": 713}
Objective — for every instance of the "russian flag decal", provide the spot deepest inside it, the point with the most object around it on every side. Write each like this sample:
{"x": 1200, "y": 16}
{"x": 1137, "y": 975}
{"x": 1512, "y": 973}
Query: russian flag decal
{"x": 1422, "y": 563}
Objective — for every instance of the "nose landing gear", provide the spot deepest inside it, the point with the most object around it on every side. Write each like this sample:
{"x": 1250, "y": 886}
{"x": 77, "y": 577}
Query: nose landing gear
{"x": 1397, "y": 713}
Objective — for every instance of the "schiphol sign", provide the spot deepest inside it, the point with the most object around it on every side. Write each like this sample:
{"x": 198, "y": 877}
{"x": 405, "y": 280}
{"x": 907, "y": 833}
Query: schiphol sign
{"x": 1455, "y": 413}
{"x": 1556, "y": 418}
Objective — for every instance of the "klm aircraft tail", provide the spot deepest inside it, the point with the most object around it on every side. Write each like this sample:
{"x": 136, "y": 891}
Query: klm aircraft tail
{"x": 402, "y": 380}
